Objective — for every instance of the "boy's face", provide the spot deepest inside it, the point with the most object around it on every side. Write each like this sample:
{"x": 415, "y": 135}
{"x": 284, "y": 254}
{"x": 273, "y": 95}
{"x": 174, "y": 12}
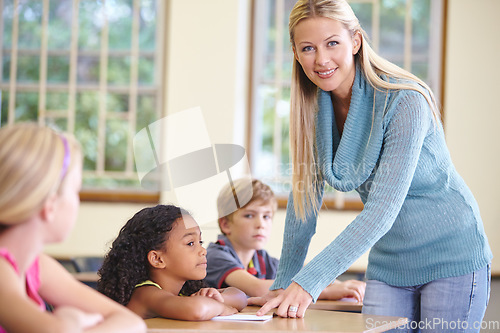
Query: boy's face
{"x": 249, "y": 228}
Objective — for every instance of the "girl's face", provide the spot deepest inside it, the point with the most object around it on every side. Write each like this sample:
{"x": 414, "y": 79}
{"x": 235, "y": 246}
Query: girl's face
{"x": 325, "y": 50}
{"x": 185, "y": 257}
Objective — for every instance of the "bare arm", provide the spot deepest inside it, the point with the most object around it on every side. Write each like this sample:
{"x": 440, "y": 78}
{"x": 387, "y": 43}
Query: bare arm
{"x": 339, "y": 289}
{"x": 234, "y": 297}
{"x": 248, "y": 283}
{"x": 63, "y": 291}
{"x": 78, "y": 307}
{"x": 149, "y": 302}
{"x": 255, "y": 287}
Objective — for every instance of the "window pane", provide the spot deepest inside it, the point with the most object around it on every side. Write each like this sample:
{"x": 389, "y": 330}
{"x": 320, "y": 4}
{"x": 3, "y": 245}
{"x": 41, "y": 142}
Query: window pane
{"x": 26, "y": 106}
{"x": 87, "y": 122}
{"x": 6, "y": 68}
{"x": 59, "y": 26}
{"x": 57, "y": 69}
{"x": 57, "y": 101}
{"x": 392, "y": 24}
{"x": 364, "y": 13}
{"x": 147, "y": 36}
{"x": 116, "y": 144}
{"x": 88, "y": 69}
{"x": 120, "y": 24}
{"x": 119, "y": 70}
{"x": 90, "y": 17}
{"x": 30, "y": 18}
{"x": 7, "y": 16}
{"x": 4, "y": 107}
{"x": 146, "y": 71}
{"x": 146, "y": 108}
{"x": 28, "y": 68}
{"x": 117, "y": 102}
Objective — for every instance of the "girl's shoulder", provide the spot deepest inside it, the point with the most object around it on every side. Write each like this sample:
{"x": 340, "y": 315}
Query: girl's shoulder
{"x": 8, "y": 258}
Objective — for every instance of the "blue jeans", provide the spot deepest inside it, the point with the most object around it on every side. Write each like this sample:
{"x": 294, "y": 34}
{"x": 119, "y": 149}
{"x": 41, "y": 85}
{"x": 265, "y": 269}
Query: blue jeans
{"x": 455, "y": 304}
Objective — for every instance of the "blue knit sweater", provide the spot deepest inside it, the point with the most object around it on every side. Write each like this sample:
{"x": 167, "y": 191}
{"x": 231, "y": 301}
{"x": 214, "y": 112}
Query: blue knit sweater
{"x": 420, "y": 219}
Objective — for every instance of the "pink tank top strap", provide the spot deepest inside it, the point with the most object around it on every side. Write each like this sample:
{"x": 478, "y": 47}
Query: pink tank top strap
{"x": 32, "y": 277}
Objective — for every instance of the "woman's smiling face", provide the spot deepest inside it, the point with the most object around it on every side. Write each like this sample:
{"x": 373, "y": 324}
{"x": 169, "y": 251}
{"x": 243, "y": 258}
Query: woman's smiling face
{"x": 325, "y": 49}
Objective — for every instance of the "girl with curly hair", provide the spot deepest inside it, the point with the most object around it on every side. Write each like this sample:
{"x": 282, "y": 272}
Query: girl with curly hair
{"x": 158, "y": 259}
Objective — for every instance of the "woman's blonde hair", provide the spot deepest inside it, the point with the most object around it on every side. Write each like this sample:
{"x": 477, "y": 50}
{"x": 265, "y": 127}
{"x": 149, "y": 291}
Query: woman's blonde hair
{"x": 303, "y": 103}
{"x": 34, "y": 162}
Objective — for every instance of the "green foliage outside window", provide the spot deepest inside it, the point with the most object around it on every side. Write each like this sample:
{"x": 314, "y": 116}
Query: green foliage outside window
{"x": 91, "y": 19}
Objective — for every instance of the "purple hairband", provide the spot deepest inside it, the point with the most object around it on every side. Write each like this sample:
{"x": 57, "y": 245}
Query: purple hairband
{"x": 66, "y": 159}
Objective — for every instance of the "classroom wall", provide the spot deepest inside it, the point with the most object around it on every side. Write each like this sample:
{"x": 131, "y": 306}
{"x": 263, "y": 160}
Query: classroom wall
{"x": 472, "y": 108}
{"x": 206, "y": 52}
{"x": 205, "y": 66}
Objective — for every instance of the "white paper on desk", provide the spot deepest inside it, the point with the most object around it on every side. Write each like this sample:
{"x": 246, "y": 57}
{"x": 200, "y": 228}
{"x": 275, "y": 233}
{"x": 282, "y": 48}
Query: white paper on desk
{"x": 244, "y": 317}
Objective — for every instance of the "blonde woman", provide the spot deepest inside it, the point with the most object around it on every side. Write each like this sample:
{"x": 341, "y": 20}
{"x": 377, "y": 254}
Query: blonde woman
{"x": 360, "y": 123}
{"x": 40, "y": 177}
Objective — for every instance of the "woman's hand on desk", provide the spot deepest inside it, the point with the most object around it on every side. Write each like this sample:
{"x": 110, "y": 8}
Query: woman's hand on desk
{"x": 261, "y": 300}
{"x": 286, "y": 301}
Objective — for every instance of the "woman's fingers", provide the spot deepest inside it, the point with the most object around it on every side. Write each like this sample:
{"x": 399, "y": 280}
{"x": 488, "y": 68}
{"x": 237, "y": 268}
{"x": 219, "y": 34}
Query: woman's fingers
{"x": 292, "y": 303}
{"x": 271, "y": 304}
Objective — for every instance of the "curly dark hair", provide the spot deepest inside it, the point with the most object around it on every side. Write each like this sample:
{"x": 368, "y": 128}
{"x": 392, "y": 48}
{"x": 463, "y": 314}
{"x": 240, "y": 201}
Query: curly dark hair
{"x": 126, "y": 264}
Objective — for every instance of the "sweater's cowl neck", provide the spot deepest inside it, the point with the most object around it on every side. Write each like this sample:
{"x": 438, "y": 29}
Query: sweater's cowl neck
{"x": 347, "y": 162}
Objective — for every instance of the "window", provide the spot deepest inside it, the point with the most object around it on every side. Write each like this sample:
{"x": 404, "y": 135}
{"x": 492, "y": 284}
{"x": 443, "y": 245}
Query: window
{"x": 406, "y": 32}
{"x": 89, "y": 67}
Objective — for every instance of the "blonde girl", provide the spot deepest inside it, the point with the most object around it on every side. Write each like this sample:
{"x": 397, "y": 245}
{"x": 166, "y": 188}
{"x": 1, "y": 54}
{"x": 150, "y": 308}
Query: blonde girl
{"x": 40, "y": 177}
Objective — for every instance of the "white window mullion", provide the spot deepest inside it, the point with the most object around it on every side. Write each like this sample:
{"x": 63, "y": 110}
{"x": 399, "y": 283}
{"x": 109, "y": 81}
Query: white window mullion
{"x": 42, "y": 93}
{"x": 134, "y": 82}
{"x": 435, "y": 47}
{"x": 1, "y": 50}
{"x": 375, "y": 38}
{"x": 13, "y": 64}
{"x": 159, "y": 59}
{"x": 278, "y": 84}
{"x": 73, "y": 63}
{"x": 103, "y": 92}
{"x": 408, "y": 35}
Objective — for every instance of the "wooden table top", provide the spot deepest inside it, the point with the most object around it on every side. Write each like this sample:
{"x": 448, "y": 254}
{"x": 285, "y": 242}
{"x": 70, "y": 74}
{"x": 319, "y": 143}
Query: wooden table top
{"x": 337, "y": 305}
{"x": 314, "y": 321}
{"x": 86, "y": 276}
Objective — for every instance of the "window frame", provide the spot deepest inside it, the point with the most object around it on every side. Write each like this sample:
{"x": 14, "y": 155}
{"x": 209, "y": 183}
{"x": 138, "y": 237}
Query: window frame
{"x": 338, "y": 201}
{"x": 102, "y": 88}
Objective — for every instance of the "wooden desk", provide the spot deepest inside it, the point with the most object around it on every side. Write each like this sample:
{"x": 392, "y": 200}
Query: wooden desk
{"x": 86, "y": 277}
{"x": 337, "y": 306}
{"x": 314, "y": 321}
